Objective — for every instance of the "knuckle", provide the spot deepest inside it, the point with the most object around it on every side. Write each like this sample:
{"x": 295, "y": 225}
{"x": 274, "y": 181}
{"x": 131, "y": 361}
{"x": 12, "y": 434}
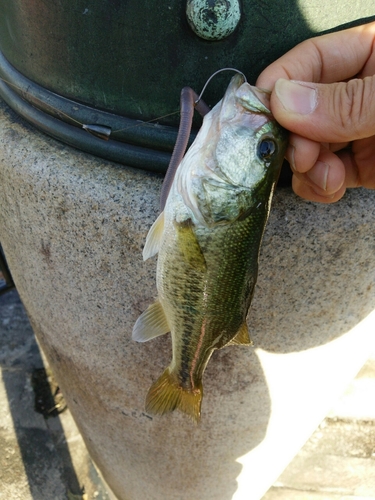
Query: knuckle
{"x": 352, "y": 106}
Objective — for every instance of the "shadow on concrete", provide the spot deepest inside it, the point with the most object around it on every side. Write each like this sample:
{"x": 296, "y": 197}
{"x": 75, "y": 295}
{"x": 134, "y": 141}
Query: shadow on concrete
{"x": 45, "y": 455}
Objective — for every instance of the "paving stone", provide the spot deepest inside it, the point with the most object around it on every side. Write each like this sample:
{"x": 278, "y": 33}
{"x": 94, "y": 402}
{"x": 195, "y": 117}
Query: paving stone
{"x": 41, "y": 458}
{"x": 18, "y": 347}
{"x": 29, "y": 463}
{"x": 338, "y": 461}
{"x": 330, "y": 473}
{"x": 347, "y": 439}
{"x": 289, "y": 494}
{"x": 358, "y": 401}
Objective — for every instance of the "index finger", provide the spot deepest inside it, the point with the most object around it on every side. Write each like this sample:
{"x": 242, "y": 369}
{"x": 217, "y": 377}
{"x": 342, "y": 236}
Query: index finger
{"x": 326, "y": 59}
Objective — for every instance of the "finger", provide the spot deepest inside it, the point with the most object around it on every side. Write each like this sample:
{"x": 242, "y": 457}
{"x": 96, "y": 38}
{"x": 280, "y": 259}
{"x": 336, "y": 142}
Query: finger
{"x": 306, "y": 191}
{"x": 302, "y": 153}
{"x": 336, "y": 112}
{"x": 326, "y": 176}
{"x": 347, "y": 169}
{"x": 359, "y": 163}
{"x": 337, "y": 146}
{"x": 352, "y": 179}
{"x": 326, "y": 59}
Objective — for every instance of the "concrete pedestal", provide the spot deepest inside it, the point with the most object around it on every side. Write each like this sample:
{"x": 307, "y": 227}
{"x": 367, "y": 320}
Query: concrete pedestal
{"x": 73, "y": 227}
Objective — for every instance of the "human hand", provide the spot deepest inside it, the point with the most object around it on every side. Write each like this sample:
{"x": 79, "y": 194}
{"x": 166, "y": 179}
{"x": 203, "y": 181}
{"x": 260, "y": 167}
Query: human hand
{"x": 330, "y": 111}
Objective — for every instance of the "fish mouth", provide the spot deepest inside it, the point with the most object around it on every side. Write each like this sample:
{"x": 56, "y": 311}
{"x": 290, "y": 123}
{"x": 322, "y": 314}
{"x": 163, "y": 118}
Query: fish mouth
{"x": 241, "y": 93}
{"x": 228, "y": 108}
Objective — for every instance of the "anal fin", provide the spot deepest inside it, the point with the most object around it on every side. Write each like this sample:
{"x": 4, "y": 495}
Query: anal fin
{"x": 150, "y": 324}
{"x": 242, "y": 337}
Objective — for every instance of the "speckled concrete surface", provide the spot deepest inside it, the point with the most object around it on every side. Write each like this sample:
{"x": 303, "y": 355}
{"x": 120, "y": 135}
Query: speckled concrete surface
{"x": 73, "y": 227}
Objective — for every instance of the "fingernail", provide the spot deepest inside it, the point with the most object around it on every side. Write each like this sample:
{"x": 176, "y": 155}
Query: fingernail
{"x": 319, "y": 174}
{"x": 297, "y": 97}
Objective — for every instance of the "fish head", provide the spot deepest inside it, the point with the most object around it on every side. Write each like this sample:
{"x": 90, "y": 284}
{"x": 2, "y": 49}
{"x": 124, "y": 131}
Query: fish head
{"x": 251, "y": 145}
{"x": 235, "y": 159}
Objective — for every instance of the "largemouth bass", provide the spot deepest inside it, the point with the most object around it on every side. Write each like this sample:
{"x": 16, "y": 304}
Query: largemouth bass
{"x": 208, "y": 238}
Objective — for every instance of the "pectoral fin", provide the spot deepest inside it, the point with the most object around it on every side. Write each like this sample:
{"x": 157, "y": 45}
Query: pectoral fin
{"x": 153, "y": 239}
{"x": 152, "y": 323}
{"x": 189, "y": 246}
{"x": 242, "y": 336}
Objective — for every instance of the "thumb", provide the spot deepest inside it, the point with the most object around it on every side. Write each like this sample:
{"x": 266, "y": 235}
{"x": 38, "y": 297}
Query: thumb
{"x": 334, "y": 112}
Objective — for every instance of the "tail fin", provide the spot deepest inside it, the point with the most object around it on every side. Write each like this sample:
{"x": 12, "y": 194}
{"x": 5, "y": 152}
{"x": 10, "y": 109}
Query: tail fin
{"x": 166, "y": 395}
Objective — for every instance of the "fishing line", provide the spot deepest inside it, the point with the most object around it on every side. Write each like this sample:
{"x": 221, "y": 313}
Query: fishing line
{"x": 25, "y": 92}
{"x": 100, "y": 131}
{"x": 214, "y": 74}
{"x": 103, "y": 131}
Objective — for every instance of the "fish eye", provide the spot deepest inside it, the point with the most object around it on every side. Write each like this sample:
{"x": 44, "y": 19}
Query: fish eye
{"x": 266, "y": 148}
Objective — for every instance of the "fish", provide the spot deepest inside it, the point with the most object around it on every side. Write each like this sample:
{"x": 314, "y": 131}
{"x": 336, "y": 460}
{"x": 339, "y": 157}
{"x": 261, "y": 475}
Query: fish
{"x": 208, "y": 238}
